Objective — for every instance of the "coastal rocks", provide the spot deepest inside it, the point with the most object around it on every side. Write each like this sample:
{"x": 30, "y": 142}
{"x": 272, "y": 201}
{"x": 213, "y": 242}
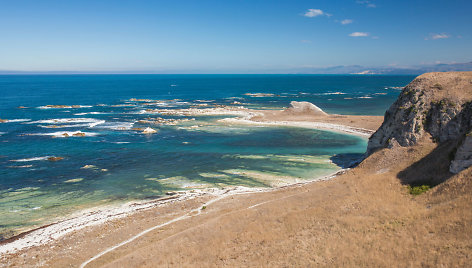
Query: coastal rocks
{"x": 149, "y": 130}
{"x": 79, "y": 134}
{"x": 51, "y": 126}
{"x": 94, "y": 168}
{"x": 67, "y": 134}
{"x": 76, "y": 134}
{"x": 163, "y": 121}
{"x": 64, "y": 106}
{"x": 439, "y": 104}
{"x": 55, "y": 158}
{"x": 463, "y": 156}
{"x": 89, "y": 167}
{"x": 259, "y": 95}
{"x": 304, "y": 107}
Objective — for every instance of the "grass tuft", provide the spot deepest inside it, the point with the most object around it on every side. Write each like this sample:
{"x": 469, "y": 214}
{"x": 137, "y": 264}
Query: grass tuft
{"x": 417, "y": 190}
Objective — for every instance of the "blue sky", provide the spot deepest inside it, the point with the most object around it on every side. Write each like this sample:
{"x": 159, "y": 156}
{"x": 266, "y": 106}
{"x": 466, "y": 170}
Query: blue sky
{"x": 230, "y": 36}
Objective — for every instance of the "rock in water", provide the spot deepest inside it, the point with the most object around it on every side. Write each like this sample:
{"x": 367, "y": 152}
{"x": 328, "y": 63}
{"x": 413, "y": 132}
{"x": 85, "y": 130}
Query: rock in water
{"x": 79, "y": 134}
{"x": 88, "y": 167}
{"x": 55, "y": 158}
{"x": 304, "y": 107}
{"x": 149, "y": 130}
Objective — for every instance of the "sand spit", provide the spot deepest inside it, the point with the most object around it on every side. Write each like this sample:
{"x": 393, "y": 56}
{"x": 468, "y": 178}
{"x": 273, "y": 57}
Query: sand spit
{"x": 314, "y": 125}
{"x": 308, "y": 115}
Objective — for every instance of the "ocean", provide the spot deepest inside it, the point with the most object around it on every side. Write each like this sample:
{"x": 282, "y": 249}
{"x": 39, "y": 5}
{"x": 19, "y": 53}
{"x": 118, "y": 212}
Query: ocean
{"x": 105, "y": 158}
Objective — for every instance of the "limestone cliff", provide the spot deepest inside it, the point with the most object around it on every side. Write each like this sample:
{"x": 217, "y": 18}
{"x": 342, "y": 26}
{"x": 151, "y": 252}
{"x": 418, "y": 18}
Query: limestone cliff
{"x": 435, "y": 104}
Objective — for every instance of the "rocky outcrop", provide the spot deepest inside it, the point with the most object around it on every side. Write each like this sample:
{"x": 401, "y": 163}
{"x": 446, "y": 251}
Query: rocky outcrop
{"x": 304, "y": 107}
{"x": 438, "y": 104}
{"x": 463, "y": 155}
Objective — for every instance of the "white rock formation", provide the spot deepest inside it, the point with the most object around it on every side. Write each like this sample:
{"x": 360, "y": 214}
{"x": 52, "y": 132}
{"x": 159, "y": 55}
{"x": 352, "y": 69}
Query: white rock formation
{"x": 149, "y": 130}
{"x": 304, "y": 107}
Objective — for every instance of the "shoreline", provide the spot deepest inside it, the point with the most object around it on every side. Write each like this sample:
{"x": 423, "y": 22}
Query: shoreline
{"x": 94, "y": 216}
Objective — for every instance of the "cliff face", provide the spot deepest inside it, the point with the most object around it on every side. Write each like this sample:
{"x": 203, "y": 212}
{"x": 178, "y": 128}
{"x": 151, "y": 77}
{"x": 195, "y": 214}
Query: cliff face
{"x": 438, "y": 104}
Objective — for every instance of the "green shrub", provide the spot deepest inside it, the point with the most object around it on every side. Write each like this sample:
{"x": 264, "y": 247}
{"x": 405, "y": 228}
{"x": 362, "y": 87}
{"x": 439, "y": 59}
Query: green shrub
{"x": 417, "y": 190}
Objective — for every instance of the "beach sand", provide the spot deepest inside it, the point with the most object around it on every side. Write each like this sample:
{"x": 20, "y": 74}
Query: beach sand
{"x": 364, "y": 217}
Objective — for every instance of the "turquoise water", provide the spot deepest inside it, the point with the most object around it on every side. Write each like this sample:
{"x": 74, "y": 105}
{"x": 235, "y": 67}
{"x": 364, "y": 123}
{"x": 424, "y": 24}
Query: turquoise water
{"x": 116, "y": 162}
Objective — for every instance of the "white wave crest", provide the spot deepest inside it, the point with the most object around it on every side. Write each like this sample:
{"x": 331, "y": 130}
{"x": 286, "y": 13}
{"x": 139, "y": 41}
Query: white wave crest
{"x": 66, "y": 134}
{"x": 39, "y": 158}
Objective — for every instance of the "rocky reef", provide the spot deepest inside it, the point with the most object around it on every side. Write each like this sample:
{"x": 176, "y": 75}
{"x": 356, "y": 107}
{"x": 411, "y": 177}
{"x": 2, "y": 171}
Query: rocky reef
{"x": 435, "y": 104}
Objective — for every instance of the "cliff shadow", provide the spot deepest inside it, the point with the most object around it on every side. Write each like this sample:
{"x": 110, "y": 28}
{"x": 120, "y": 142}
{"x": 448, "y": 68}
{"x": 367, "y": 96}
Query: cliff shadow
{"x": 432, "y": 169}
{"x": 348, "y": 160}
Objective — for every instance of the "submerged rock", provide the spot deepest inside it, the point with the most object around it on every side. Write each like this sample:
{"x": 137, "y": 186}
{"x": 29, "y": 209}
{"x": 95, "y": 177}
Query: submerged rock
{"x": 55, "y": 158}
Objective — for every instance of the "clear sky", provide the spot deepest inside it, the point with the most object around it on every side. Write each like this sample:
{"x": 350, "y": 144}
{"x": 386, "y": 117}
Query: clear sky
{"x": 230, "y": 35}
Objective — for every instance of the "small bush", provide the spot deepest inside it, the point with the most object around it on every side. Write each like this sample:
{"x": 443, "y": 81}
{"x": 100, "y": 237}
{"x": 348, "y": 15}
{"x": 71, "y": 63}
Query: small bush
{"x": 204, "y": 207}
{"x": 417, "y": 190}
{"x": 438, "y": 86}
{"x": 418, "y": 128}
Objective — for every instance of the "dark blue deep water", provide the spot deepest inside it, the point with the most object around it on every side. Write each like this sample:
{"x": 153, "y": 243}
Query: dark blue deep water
{"x": 116, "y": 162}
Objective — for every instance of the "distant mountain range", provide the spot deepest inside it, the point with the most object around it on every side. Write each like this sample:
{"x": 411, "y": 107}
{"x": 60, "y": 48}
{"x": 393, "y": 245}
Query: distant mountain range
{"x": 413, "y": 70}
{"x": 341, "y": 69}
